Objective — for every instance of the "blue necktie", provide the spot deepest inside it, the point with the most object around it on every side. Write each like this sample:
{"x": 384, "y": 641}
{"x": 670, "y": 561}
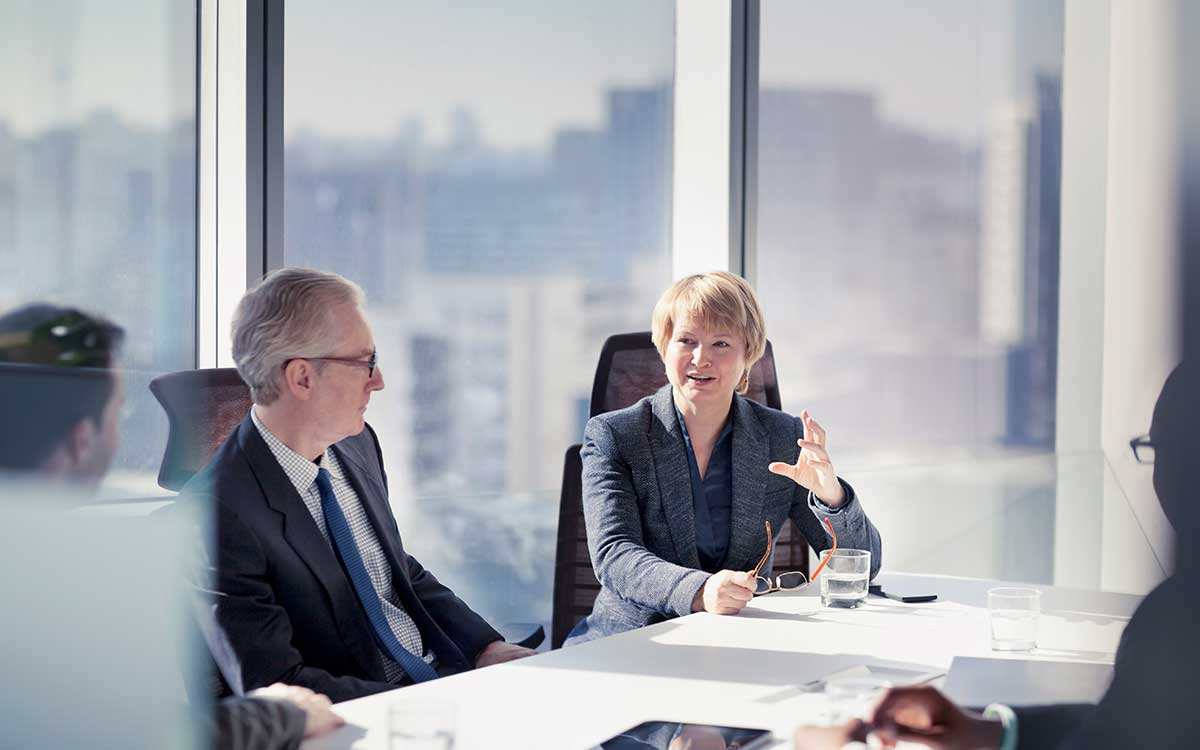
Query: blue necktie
{"x": 343, "y": 539}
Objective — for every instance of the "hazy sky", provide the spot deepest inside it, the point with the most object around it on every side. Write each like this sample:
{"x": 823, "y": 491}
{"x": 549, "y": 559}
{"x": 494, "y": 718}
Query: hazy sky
{"x": 937, "y": 64}
{"x": 61, "y": 60}
{"x": 525, "y": 67}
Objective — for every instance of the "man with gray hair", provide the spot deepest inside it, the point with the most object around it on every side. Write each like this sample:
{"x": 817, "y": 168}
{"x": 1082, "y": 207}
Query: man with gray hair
{"x": 314, "y": 586}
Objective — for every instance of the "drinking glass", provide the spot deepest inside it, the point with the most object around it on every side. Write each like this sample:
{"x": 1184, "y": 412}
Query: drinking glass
{"x": 853, "y": 697}
{"x": 1013, "y": 617}
{"x": 844, "y": 582}
{"x": 421, "y": 726}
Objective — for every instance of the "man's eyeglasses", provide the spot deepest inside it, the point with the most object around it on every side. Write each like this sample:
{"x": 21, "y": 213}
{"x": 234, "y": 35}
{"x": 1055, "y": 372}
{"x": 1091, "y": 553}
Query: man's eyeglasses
{"x": 367, "y": 363}
{"x": 791, "y": 580}
{"x": 1143, "y": 449}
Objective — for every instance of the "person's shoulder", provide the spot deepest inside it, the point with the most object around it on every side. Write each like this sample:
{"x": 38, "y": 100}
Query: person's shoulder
{"x": 633, "y": 418}
{"x": 1156, "y": 618}
{"x": 770, "y": 418}
{"x": 227, "y": 469}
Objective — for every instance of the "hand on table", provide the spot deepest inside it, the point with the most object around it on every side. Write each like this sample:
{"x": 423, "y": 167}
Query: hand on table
{"x": 813, "y": 469}
{"x": 498, "y": 652}
{"x": 725, "y": 593}
{"x": 924, "y": 716}
{"x": 319, "y": 717}
{"x": 830, "y": 738}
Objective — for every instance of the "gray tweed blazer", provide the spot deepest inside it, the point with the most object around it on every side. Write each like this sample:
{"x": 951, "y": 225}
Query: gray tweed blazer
{"x": 637, "y": 502}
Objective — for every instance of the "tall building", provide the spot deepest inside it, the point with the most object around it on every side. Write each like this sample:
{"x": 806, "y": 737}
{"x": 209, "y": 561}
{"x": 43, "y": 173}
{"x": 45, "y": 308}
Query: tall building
{"x": 872, "y": 231}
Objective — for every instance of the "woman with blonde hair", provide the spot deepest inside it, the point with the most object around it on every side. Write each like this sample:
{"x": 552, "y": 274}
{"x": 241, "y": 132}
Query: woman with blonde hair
{"x": 678, "y": 487}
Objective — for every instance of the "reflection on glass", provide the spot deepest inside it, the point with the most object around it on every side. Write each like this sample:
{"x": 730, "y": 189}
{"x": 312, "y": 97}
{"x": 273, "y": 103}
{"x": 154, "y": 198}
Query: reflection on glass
{"x": 497, "y": 178}
{"x": 908, "y": 204}
{"x": 97, "y": 185}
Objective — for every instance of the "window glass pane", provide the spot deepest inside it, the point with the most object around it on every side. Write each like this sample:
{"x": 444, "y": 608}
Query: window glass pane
{"x": 97, "y": 186}
{"x": 908, "y": 206}
{"x": 497, "y": 177}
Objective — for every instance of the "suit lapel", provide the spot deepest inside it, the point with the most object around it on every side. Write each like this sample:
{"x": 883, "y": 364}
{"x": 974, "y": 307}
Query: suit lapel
{"x": 674, "y": 477}
{"x": 747, "y": 536}
{"x": 368, "y": 484}
{"x": 301, "y": 532}
{"x": 371, "y": 493}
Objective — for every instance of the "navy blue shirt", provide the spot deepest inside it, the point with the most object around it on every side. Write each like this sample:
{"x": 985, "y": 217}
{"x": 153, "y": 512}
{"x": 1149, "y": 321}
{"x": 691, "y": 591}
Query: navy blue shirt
{"x": 712, "y": 496}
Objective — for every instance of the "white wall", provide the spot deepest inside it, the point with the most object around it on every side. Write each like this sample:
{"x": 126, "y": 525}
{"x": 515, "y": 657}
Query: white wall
{"x": 700, "y": 206}
{"x": 224, "y": 241}
{"x": 1080, "y": 464}
{"x": 1141, "y": 301}
{"x": 1118, "y": 299}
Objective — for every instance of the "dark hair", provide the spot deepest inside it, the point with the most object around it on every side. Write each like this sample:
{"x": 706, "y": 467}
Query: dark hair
{"x": 55, "y": 371}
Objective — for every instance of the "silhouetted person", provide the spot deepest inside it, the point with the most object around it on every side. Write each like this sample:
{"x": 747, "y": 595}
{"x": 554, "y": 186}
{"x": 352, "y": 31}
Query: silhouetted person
{"x": 60, "y": 405}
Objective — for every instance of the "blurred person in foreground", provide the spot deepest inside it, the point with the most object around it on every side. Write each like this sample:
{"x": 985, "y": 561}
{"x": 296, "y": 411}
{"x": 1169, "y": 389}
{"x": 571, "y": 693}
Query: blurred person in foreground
{"x": 1153, "y": 690}
{"x": 313, "y": 584}
{"x": 676, "y": 488}
{"x": 60, "y": 404}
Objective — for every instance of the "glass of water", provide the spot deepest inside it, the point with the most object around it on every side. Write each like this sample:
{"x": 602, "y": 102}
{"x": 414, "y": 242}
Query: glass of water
{"x": 421, "y": 726}
{"x": 1013, "y": 617}
{"x": 844, "y": 578}
{"x": 853, "y": 697}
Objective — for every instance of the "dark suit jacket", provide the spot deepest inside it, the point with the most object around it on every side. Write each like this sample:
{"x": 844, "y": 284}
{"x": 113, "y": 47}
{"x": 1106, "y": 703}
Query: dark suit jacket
{"x": 637, "y": 502}
{"x": 1153, "y": 692}
{"x": 288, "y": 609}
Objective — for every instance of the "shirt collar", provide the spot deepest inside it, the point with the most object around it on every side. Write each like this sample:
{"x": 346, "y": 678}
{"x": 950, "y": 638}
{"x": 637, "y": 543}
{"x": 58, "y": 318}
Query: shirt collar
{"x": 728, "y": 428}
{"x": 301, "y": 471}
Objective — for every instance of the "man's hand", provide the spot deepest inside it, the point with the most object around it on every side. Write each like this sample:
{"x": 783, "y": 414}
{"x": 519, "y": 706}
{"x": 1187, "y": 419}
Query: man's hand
{"x": 830, "y": 738}
{"x": 924, "y": 716}
{"x": 813, "y": 469}
{"x": 498, "y": 652}
{"x": 319, "y": 717}
{"x": 724, "y": 593}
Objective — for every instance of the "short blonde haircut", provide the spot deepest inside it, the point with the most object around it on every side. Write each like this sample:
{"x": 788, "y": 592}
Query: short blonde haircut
{"x": 723, "y": 301}
{"x": 289, "y": 315}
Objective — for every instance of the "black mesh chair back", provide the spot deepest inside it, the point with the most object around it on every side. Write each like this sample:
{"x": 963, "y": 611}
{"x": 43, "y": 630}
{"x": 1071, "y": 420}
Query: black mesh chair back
{"x": 630, "y": 369}
{"x": 203, "y": 408}
{"x": 575, "y": 584}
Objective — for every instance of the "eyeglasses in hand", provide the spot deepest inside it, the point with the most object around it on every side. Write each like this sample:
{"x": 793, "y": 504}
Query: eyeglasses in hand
{"x": 791, "y": 580}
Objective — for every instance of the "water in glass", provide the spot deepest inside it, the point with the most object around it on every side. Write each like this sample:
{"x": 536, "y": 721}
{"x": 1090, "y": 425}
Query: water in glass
{"x": 1013, "y": 616}
{"x": 844, "y": 580}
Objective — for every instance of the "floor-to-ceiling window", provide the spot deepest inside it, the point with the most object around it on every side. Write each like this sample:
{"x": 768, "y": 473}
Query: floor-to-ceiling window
{"x": 497, "y": 177}
{"x": 909, "y": 160}
{"x": 98, "y": 186}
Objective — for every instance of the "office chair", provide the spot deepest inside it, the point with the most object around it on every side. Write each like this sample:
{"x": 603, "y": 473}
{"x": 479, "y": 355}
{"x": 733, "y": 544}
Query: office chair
{"x": 203, "y": 408}
{"x": 630, "y": 369}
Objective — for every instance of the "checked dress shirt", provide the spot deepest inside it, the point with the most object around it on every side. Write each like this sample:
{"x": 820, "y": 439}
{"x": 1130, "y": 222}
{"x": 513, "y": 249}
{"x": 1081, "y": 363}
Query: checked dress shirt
{"x": 303, "y": 474}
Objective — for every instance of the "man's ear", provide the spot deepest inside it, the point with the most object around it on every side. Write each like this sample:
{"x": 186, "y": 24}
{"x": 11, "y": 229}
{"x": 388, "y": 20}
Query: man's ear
{"x": 80, "y": 442}
{"x": 298, "y": 378}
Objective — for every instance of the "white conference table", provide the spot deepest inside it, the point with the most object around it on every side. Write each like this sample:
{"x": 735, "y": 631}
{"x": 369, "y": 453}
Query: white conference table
{"x": 740, "y": 670}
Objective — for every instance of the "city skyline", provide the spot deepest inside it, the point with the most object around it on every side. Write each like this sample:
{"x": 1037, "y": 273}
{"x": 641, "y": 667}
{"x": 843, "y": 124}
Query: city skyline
{"x": 495, "y": 274}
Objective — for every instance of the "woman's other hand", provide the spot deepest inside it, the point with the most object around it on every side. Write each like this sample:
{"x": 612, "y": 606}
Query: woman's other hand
{"x": 813, "y": 469}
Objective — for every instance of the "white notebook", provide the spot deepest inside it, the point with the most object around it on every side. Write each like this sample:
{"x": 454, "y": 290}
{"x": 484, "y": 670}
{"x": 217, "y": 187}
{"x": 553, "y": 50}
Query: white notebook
{"x": 977, "y": 682}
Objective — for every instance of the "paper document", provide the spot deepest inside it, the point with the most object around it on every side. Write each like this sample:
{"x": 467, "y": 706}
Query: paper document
{"x": 977, "y": 682}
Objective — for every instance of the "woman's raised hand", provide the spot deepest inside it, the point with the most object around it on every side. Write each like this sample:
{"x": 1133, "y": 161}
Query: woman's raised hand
{"x": 813, "y": 469}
